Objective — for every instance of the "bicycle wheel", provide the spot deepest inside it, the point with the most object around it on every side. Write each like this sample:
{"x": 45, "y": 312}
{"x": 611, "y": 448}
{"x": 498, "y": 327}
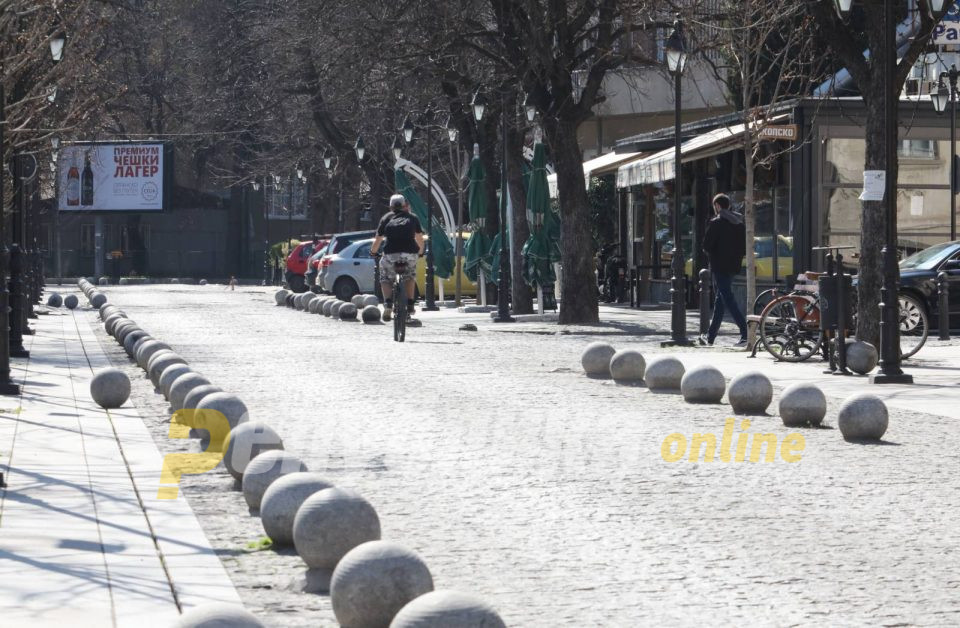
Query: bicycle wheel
{"x": 790, "y": 327}
{"x": 399, "y": 312}
{"x": 914, "y": 325}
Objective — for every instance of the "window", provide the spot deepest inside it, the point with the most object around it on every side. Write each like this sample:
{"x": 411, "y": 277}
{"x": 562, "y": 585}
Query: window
{"x": 917, "y": 149}
{"x": 363, "y": 251}
{"x": 86, "y": 240}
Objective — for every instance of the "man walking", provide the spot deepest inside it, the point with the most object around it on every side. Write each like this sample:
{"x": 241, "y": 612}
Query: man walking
{"x": 724, "y": 243}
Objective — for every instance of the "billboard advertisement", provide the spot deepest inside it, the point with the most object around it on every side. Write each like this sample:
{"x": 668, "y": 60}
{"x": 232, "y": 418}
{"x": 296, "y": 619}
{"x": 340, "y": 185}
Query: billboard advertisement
{"x": 126, "y": 176}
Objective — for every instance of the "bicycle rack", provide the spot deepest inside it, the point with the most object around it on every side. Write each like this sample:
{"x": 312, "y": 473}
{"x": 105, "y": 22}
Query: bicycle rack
{"x": 835, "y": 317}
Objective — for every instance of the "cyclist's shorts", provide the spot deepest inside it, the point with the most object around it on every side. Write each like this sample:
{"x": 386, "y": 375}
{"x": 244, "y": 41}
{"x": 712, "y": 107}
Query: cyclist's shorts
{"x": 388, "y": 270}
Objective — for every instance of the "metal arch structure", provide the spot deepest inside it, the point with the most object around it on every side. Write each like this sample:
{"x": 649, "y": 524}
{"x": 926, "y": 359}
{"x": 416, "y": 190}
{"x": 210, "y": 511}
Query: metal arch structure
{"x": 446, "y": 212}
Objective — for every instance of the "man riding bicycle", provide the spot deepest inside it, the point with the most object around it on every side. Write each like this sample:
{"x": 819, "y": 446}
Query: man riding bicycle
{"x": 404, "y": 243}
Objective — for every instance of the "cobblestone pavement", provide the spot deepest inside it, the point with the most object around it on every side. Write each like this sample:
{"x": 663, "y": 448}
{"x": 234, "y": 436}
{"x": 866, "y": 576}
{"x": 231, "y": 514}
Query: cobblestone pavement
{"x": 543, "y": 491}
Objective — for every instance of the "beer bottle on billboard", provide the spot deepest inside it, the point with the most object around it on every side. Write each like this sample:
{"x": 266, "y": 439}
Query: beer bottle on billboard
{"x": 73, "y": 185}
{"x": 86, "y": 186}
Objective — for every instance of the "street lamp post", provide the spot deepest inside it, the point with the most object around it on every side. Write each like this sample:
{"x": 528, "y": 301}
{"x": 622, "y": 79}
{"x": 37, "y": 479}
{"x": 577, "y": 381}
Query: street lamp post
{"x": 947, "y": 94}
{"x": 452, "y": 135}
{"x": 503, "y": 285}
{"x": 676, "y": 49}
{"x": 7, "y": 387}
{"x": 890, "y": 371}
{"x": 408, "y": 131}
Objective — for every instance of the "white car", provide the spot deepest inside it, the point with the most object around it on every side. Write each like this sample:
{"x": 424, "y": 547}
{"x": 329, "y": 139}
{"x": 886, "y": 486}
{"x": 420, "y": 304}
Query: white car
{"x": 349, "y": 272}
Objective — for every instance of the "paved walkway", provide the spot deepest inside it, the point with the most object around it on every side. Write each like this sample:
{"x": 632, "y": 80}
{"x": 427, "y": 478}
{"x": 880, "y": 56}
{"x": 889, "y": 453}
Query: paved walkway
{"x": 83, "y": 539}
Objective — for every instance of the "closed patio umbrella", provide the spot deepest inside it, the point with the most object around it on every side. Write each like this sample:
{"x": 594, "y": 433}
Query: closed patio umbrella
{"x": 443, "y": 255}
{"x": 542, "y": 249}
{"x": 477, "y": 253}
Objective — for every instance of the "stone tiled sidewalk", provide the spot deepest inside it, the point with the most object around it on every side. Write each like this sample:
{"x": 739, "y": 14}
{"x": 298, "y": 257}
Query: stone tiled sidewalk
{"x": 521, "y": 480}
{"x": 83, "y": 539}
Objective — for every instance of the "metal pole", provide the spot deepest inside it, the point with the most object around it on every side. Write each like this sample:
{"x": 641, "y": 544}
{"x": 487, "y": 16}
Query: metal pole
{"x": 953, "y": 151}
{"x": 678, "y": 283}
{"x": 890, "y": 371}
{"x": 17, "y": 318}
{"x": 503, "y": 286}
{"x": 7, "y": 387}
{"x": 431, "y": 304}
{"x": 459, "y": 250}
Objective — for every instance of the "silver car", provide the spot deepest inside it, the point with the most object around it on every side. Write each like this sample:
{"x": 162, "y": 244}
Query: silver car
{"x": 349, "y": 272}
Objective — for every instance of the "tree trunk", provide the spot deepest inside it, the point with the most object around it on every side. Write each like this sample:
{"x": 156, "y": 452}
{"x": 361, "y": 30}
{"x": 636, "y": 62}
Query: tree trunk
{"x": 520, "y": 291}
{"x": 872, "y": 225}
{"x": 579, "y": 288}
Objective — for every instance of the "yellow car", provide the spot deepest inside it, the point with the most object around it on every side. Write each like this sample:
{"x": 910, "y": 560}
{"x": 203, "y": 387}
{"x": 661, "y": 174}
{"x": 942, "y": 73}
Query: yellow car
{"x": 763, "y": 252}
{"x": 467, "y": 287}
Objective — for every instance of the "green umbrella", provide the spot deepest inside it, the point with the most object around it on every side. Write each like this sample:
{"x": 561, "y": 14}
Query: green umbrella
{"x": 439, "y": 240}
{"x": 541, "y": 250}
{"x": 477, "y": 253}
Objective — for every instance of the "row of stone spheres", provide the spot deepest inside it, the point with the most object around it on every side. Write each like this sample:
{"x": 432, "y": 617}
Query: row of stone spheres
{"x": 335, "y": 531}
{"x": 861, "y": 417}
{"x": 366, "y": 307}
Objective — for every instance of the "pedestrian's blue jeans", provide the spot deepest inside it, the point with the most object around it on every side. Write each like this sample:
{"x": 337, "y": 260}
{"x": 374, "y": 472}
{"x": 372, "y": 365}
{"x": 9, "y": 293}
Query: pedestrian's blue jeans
{"x": 725, "y": 300}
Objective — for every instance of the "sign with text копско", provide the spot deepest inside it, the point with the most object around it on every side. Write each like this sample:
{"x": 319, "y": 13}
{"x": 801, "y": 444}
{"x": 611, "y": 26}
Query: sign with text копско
{"x": 111, "y": 177}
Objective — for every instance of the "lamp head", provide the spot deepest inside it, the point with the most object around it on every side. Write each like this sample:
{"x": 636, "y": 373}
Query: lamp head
{"x": 359, "y": 148}
{"x": 676, "y": 49}
{"x": 479, "y": 104}
{"x": 407, "y": 130}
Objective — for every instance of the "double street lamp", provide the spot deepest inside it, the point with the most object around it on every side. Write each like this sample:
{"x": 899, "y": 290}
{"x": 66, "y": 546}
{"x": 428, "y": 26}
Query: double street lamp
{"x": 676, "y": 53}
{"x": 946, "y": 94}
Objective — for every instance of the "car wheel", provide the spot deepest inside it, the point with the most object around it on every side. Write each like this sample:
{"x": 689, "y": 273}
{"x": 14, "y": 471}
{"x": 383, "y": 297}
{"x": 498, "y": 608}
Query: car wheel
{"x": 345, "y": 288}
{"x": 296, "y": 282}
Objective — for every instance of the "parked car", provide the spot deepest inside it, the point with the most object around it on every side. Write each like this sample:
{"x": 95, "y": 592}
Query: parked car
{"x": 918, "y": 278}
{"x": 349, "y": 272}
{"x": 297, "y": 264}
{"x": 337, "y": 243}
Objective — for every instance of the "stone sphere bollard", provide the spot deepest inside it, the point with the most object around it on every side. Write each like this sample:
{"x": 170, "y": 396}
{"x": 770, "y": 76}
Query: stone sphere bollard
{"x": 802, "y": 404}
{"x": 137, "y": 345}
{"x": 203, "y": 282}
{"x": 596, "y": 359}
{"x": 70, "y": 301}
{"x": 230, "y": 406}
{"x": 159, "y": 363}
{"x": 107, "y": 309}
{"x": 170, "y": 375}
{"x": 300, "y": 302}
{"x": 335, "y": 308}
{"x": 246, "y": 442}
{"x": 175, "y": 280}
{"x": 374, "y": 581}
{"x": 131, "y": 338}
{"x": 104, "y": 281}
{"x": 357, "y": 300}
{"x": 445, "y": 608}
{"x": 750, "y": 393}
{"x": 664, "y": 373}
{"x": 371, "y": 314}
{"x": 371, "y": 299}
{"x": 263, "y": 470}
{"x": 283, "y": 498}
{"x": 329, "y": 524}
{"x": 862, "y": 356}
{"x": 110, "y": 388}
{"x": 182, "y": 386}
{"x": 281, "y": 296}
{"x": 348, "y": 312}
{"x": 289, "y": 299}
{"x": 54, "y": 300}
{"x": 315, "y": 303}
{"x": 863, "y": 417}
{"x": 122, "y": 328}
{"x": 147, "y": 349}
{"x": 123, "y": 281}
{"x": 703, "y": 384}
{"x": 197, "y": 395}
{"x": 327, "y": 308}
{"x": 97, "y": 299}
{"x": 627, "y": 366}
{"x": 218, "y": 615}
{"x": 110, "y": 324}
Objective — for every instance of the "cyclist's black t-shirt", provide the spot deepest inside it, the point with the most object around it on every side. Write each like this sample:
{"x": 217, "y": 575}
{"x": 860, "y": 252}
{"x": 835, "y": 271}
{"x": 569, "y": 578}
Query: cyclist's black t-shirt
{"x": 400, "y": 228}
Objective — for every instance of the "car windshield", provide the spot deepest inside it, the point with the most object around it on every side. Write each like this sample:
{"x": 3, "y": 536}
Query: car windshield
{"x": 928, "y": 258}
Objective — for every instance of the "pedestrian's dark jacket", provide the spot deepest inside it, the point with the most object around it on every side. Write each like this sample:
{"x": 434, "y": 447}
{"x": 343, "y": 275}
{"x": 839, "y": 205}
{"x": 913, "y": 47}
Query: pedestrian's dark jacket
{"x": 724, "y": 244}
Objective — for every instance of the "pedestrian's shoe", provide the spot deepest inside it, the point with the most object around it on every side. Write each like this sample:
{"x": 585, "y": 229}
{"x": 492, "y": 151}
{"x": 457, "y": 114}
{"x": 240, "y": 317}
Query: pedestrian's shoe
{"x": 387, "y": 311}
{"x": 411, "y": 310}
{"x": 704, "y": 341}
{"x": 741, "y": 343}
